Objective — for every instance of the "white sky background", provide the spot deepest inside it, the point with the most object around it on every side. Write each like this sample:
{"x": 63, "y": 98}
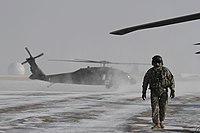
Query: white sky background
{"x": 70, "y": 29}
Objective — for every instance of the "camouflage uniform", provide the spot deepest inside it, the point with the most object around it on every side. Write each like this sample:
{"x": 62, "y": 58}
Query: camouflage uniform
{"x": 159, "y": 79}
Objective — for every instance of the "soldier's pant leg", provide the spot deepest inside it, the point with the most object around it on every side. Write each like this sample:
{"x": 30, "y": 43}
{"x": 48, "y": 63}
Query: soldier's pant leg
{"x": 155, "y": 108}
{"x": 163, "y": 101}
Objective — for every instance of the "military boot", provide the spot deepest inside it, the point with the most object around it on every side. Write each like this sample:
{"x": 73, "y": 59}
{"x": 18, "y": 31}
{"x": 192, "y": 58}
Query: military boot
{"x": 162, "y": 126}
{"x": 156, "y": 126}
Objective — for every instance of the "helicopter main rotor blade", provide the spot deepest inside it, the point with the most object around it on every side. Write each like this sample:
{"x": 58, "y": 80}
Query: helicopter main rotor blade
{"x": 197, "y": 52}
{"x": 88, "y": 61}
{"x": 93, "y": 61}
{"x": 108, "y": 62}
{"x": 99, "y": 62}
{"x": 116, "y": 63}
{"x": 83, "y": 61}
{"x": 74, "y": 61}
{"x": 197, "y": 44}
{"x": 157, "y": 24}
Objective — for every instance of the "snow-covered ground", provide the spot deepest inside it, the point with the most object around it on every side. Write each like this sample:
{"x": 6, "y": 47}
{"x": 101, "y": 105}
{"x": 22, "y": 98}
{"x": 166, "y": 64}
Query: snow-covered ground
{"x": 28, "y": 106}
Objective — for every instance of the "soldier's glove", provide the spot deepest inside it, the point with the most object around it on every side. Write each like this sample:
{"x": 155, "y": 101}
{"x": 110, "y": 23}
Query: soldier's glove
{"x": 144, "y": 95}
{"x": 172, "y": 94}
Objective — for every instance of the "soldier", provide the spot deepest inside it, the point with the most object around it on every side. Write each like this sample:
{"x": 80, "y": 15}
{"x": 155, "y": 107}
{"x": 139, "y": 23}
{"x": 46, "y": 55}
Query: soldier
{"x": 158, "y": 79}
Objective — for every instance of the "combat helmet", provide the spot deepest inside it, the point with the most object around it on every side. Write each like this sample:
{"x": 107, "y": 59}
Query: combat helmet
{"x": 157, "y": 60}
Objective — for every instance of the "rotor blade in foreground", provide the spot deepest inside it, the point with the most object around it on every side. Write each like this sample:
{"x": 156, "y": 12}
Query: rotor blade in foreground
{"x": 157, "y": 24}
{"x": 197, "y": 52}
{"x": 197, "y": 44}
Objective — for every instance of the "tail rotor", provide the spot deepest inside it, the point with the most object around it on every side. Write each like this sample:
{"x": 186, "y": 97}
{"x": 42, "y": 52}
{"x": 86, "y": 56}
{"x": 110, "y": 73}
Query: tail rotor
{"x": 31, "y": 57}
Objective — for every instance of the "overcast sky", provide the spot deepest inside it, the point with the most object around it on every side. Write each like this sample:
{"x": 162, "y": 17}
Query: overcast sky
{"x": 70, "y": 29}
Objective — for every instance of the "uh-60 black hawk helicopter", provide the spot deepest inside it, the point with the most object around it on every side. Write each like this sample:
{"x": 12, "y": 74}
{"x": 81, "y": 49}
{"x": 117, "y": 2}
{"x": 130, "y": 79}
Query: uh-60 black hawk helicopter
{"x": 107, "y": 76}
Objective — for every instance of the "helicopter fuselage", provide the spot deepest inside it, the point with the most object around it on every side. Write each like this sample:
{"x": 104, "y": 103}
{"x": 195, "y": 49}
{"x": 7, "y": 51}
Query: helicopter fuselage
{"x": 93, "y": 76}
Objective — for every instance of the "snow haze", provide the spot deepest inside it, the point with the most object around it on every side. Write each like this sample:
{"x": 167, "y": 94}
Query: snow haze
{"x": 31, "y": 106}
